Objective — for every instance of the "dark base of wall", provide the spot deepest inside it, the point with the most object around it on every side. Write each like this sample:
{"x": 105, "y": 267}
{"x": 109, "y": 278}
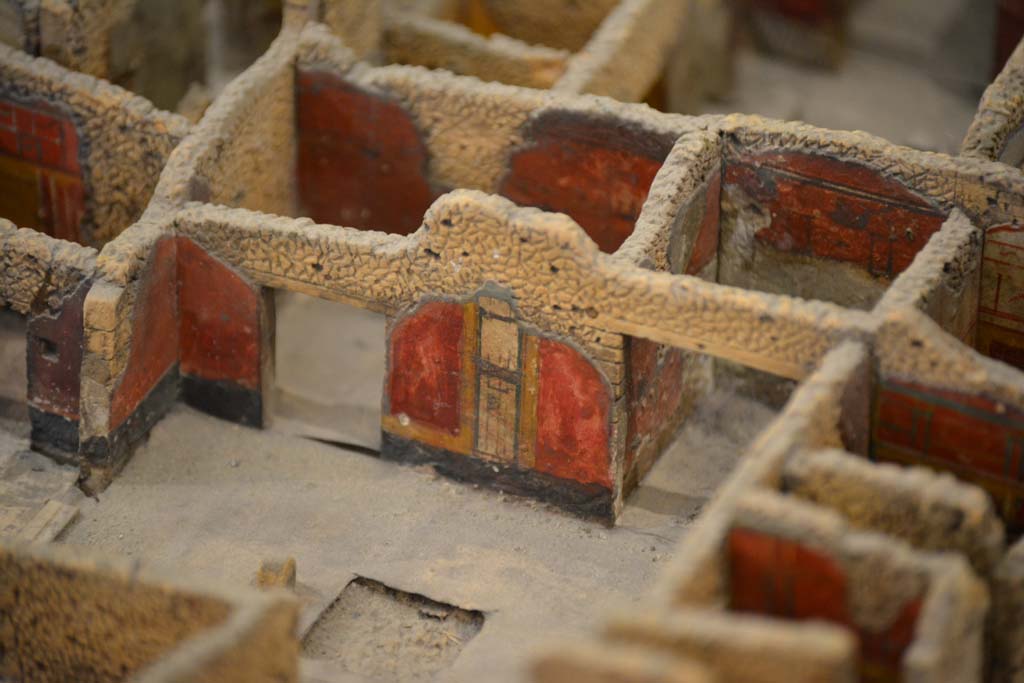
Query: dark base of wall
{"x": 54, "y": 435}
{"x": 225, "y": 400}
{"x": 104, "y": 456}
{"x": 585, "y": 500}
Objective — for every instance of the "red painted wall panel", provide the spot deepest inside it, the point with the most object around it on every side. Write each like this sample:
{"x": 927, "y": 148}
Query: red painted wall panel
{"x": 975, "y": 437}
{"x": 425, "y": 366}
{"x": 39, "y": 133}
{"x": 1001, "y": 309}
{"x": 591, "y": 169}
{"x": 573, "y": 409}
{"x": 782, "y": 578}
{"x": 40, "y": 145}
{"x": 654, "y": 394}
{"x": 831, "y": 209}
{"x": 220, "y": 320}
{"x": 154, "y": 345}
{"x": 55, "y": 357}
{"x": 361, "y": 161}
{"x": 705, "y": 246}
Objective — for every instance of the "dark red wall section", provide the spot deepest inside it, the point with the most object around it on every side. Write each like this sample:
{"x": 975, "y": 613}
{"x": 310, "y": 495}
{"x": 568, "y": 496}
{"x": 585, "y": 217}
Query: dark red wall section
{"x": 974, "y": 437}
{"x": 40, "y": 176}
{"x": 55, "y": 357}
{"x": 425, "y": 366}
{"x": 654, "y": 394}
{"x": 596, "y": 171}
{"x": 573, "y": 409}
{"x": 154, "y": 344}
{"x": 783, "y": 578}
{"x": 835, "y": 210}
{"x": 361, "y": 160}
{"x": 705, "y": 246}
{"x": 220, "y": 320}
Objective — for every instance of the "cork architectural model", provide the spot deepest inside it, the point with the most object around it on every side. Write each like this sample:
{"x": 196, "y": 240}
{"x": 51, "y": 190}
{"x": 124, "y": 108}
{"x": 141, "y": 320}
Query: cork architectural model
{"x": 565, "y": 279}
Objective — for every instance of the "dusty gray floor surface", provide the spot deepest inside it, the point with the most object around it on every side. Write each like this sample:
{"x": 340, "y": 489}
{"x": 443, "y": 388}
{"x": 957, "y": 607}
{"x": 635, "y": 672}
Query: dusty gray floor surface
{"x": 213, "y": 499}
{"x": 314, "y": 338}
{"x": 378, "y": 632}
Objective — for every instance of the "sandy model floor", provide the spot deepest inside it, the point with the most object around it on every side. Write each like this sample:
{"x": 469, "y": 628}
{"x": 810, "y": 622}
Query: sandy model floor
{"x": 214, "y": 499}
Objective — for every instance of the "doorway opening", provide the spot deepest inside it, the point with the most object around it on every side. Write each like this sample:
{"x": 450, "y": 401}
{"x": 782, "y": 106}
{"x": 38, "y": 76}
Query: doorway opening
{"x": 329, "y": 363}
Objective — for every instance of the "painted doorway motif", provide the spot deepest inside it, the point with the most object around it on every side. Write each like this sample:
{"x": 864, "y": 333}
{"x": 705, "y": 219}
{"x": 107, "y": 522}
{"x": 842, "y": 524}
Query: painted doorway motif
{"x": 499, "y": 376}
{"x": 470, "y": 379}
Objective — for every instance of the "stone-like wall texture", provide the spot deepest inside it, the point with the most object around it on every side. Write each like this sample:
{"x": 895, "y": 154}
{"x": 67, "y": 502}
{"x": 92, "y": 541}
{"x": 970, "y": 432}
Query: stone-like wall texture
{"x": 95, "y": 151}
{"x": 70, "y": 617}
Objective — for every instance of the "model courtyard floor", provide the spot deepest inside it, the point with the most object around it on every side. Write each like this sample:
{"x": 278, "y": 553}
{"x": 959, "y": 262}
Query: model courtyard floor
{"x": 213, "y": 499}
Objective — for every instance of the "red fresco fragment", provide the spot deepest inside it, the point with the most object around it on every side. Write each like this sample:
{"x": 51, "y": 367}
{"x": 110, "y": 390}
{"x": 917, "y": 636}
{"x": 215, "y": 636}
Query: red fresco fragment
{"x": 361, "y": 161}
{"x": 425, "y": 366}
{"x": 573, "y": 408}
{"x": 220, "y": 320}
{"x": 594, "y": 171}
{"x": 836, "y": 210}
{"x": 154, "y": 341}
